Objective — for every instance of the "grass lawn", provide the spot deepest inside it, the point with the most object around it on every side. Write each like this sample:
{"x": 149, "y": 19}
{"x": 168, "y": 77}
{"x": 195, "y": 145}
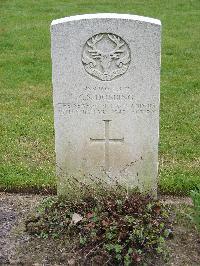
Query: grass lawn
{"x": 27, "y": 158}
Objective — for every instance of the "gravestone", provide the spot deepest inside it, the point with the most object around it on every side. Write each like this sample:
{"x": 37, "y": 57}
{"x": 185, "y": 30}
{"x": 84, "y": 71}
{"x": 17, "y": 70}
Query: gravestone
{"x": 106, "y": 83}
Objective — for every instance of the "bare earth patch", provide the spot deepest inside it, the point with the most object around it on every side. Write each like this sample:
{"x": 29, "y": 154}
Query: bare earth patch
{"x": 18, "y": 248}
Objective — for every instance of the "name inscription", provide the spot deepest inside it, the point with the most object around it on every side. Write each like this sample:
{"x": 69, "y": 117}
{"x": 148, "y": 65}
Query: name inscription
{"x": 104, "y": 101}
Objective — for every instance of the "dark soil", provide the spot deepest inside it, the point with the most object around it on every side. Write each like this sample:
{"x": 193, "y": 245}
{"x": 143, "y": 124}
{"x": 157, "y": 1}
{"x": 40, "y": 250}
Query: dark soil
{"x": 18, "y": 248}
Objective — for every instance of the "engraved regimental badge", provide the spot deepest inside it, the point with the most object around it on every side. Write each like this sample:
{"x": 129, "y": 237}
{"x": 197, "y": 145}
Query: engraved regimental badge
{"x": 106, "y": 56}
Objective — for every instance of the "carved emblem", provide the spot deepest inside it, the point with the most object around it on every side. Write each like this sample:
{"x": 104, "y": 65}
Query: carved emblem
{"x": 106, "y": 56}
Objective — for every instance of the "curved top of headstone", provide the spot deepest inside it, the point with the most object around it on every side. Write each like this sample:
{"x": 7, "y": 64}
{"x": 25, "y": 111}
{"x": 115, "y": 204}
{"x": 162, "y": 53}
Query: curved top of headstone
{"x": 106, "y": 16}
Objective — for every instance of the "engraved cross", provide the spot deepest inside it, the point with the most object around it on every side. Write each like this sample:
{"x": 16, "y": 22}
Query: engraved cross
{"x": 107, "y": 140}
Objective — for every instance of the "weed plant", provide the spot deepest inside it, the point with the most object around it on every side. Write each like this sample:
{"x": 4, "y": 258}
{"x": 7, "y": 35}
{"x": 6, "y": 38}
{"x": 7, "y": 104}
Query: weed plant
{"x": 121, "y": 228}
{"x": 195, "y": 195}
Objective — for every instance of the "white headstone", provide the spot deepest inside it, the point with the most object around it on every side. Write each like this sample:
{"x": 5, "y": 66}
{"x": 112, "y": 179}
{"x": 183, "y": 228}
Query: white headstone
{"x": 106, "y": 83}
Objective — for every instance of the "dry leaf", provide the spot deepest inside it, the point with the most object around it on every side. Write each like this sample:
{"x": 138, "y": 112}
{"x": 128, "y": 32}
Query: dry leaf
{"x": 76, "y": 218}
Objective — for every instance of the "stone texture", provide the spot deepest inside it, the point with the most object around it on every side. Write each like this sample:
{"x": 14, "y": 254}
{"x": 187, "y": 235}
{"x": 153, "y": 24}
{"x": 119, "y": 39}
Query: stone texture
{"x": 106, "y": 78}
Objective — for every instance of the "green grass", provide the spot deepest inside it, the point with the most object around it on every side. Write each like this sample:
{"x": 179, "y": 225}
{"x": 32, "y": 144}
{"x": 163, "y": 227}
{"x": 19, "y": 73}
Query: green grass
{"x": 27, "y": 137}
{"x": 195, "y": 195}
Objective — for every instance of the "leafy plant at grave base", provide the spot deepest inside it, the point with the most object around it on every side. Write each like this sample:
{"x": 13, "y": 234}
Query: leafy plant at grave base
{"x": 121, "y": 228}
{"x": 195, "y": 195}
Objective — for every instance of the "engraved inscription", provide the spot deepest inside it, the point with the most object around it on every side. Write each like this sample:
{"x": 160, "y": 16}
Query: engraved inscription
{"x": 106, "y": 56}
{"x": 105, "y": 108}
{"x": 106, "y": 140}
{"x": 104, "y": 100}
